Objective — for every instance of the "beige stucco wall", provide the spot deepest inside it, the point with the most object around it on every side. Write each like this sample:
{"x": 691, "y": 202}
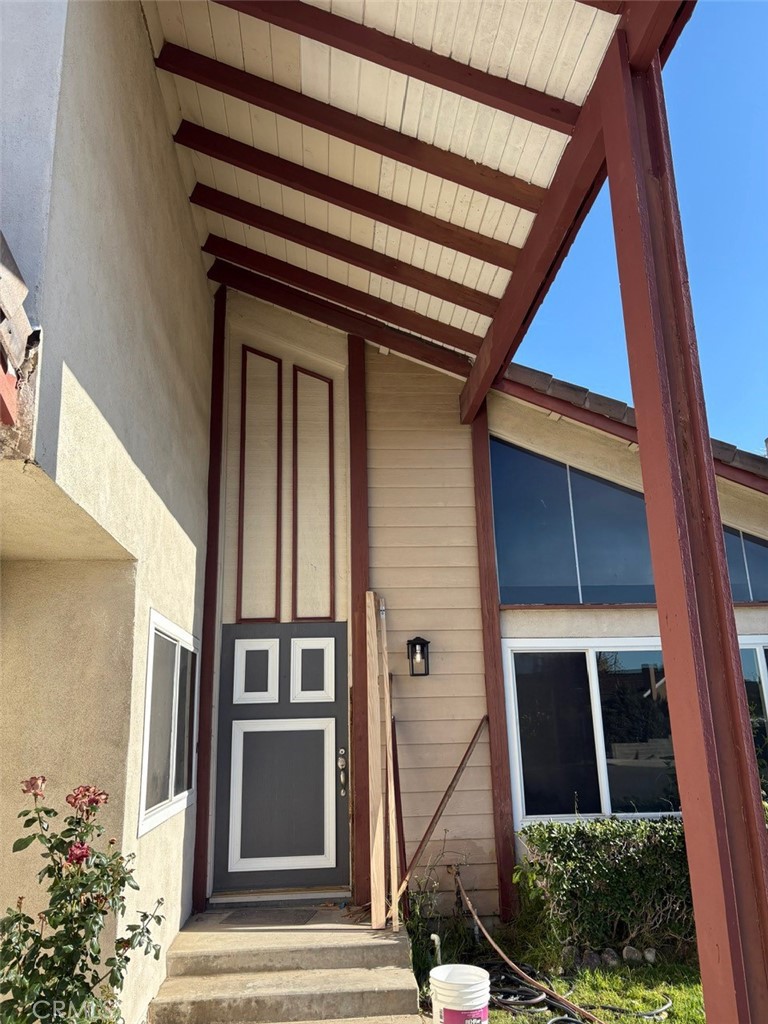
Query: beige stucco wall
{"x": 66, "y": 661}
{"x": 123, "y": 422}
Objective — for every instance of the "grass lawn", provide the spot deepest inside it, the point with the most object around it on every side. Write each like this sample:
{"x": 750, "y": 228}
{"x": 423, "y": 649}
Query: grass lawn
{"x": 638, "y": 988}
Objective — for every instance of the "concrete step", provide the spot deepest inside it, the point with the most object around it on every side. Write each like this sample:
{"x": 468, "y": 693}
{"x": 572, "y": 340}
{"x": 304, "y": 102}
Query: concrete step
{"x": 302, "y": 995}
{"x": 284, "y": 957}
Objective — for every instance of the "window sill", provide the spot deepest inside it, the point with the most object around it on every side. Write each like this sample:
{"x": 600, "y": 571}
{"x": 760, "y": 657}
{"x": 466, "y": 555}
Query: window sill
{"x": 151, "y": 819}
{"x": 535, "y": 819}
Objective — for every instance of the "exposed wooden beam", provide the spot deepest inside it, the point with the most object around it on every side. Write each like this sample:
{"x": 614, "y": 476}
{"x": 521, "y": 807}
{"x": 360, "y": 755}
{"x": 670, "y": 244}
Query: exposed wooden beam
{"x": 359, "y": 584}
{"x": 260, "y": 92}
{"x": 349, "y": 197}
{"x": 353, "y": 298}
{"x": 577, "y": 181}
{"x": 336, "y": 316}
{"x": 342, "y": 249}
{"x": 717, "y": 775}
{"x": 495, "y": 700}
{"x": 206, "y": 717}
{"x": 414, "y": 61}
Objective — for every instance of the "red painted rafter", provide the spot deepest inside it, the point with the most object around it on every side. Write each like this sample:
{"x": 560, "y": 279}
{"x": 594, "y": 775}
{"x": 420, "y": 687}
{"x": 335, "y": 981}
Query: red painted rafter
{"x": 577, "y": 181}
{"x": 353, "y": 129}
{"x": 341, "y": 249}
{"x": 337, "y": 316}
{"x": 349, "y": 197}
{"x": 414, "y": 61}
{"x": 353, "y": 298}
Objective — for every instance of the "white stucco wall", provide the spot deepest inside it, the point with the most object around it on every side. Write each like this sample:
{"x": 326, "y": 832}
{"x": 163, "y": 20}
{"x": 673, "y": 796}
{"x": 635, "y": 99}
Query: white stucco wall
{"x": 124, "y": 399}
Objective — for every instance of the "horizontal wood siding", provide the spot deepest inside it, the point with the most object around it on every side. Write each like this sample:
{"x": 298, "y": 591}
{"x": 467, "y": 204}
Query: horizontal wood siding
{"x": 423, "y": 561}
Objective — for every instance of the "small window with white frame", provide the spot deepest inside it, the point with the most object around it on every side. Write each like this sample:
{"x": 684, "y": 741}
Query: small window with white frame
{"x": 589, "y": 729}
{"x": 170, "y": 723}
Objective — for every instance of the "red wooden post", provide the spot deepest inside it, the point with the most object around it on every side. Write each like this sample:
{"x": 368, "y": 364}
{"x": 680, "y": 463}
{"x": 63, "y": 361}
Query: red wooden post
{"x": 501, "y": 784}
{"x": 209, "y": 628}
{"x": 358, "y": 530}
{"x": 714, "y": 753}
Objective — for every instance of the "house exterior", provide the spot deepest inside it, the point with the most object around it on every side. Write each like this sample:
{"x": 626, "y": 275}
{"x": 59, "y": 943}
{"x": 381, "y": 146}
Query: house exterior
{"x": 200, "y": 485}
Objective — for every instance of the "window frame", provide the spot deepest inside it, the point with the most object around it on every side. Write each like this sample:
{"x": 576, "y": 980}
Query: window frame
{"x": 150, "y": 819}
{"x": 588, "y": 646}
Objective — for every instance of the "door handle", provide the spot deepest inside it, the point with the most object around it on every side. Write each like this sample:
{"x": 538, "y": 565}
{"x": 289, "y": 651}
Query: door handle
{"x": 341, "y": 764}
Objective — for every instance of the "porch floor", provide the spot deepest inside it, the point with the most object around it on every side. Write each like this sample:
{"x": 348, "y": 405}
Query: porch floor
{"x": 296, "y": 964}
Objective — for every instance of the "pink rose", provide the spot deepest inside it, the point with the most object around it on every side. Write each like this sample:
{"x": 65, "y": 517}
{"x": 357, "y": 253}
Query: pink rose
{"x": 86, "y": 798}
{"x": 78, "y": 853}
{"x": 35, "y": 785}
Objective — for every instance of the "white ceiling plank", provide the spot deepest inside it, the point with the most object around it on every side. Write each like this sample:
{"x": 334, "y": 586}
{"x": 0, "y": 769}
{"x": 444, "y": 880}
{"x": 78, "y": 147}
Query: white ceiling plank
{"x": 316, "y": 70}
{"x": 248, "y": 187}
{"x": 286, "y": 58}
{"x": 227, "y": 40}
{"x": 446, "y": 119}
{"x": 238, "y": 115}
{"x": 506, "y": 38}
{"x": 549, "y": 44}
{"x": 197, "y": 23}
{"x": 515, "y": 146}
{"x": 189, "y": 101}
{"x": 445, "y": 27}
{"x": 351, "y": 9}
{"x": 372, "y": 92}
{"x": 424, "y": 24}
{"x": 315, "y": 150}
{"x": 549, "y": 158}
{"x": 212, "y": 107}
{"x": 224, "y": 177}
{"x": 291, "y": 142}
{"x": 172, "y": 21}
{"x": 406, "y": 18}
{"x": 466, "y": 25}
{"x": 341, "y": 159}
{"x": 590, "y": 58}
{"x": 345, "y": 80}
{"x": 381, "y": 15}
{"x": 264, "y": 128}
{"x": 563, "y": 63}
{"x": 532, "y": 25}
{"x": 257, "y": 47}
{"x": 486, "y": 31}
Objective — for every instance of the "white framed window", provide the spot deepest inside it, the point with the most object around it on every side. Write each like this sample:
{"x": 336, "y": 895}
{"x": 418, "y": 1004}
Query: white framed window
{"x": 170, "y": 723}
{"x": 256, "y": 675}
{"x": 313, "y": 667}
{"x": 589, "y": 731}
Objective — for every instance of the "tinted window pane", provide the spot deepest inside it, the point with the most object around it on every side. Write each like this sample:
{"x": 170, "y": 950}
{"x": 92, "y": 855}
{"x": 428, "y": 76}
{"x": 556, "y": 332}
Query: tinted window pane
{"x": 185, "y": 723}
{"x": 734, "y": 554}
{"x": 638, "y": 737}
{"x": 757, "y": 561}
{"x": 534, "y": 537}
{"x": 757, "y": 712}
{"x": 161, "y": 720}
{"x": 556, "y": 736}
{"x": 612, "y": 542}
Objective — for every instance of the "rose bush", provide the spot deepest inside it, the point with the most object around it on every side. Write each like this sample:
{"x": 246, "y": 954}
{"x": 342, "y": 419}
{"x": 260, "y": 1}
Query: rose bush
{"x": 54, "y": 968}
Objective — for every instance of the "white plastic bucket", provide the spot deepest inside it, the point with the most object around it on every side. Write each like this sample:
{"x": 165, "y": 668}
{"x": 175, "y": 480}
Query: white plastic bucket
{"x": 460, "y": 994}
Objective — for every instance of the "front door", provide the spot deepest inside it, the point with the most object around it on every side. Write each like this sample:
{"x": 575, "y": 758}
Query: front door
{"x": 282, "y": 765}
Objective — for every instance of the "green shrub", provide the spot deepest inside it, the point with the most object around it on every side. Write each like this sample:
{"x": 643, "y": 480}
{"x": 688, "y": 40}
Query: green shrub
{"x": 607, "y": 883}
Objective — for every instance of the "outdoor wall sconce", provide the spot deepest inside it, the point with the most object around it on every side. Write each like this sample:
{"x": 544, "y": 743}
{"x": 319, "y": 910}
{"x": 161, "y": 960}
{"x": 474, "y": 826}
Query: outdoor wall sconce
{"x": 418, "y": 656}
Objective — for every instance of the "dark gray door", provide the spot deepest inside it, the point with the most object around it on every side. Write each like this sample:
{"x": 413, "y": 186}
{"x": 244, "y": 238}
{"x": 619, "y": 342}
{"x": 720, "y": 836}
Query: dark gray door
{"x": 282, "y": 766}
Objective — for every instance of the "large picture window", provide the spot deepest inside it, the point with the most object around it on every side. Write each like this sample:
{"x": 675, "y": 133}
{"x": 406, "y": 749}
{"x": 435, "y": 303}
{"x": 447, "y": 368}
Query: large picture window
{"x": 169, "y": 723}
{"x": 565, "y": 537}
{"x": 590, "y": 731}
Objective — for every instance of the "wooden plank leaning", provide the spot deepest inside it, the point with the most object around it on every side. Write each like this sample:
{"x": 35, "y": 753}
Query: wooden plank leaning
{"x": 375, "y": 789}
{"x": 386, "y": 683}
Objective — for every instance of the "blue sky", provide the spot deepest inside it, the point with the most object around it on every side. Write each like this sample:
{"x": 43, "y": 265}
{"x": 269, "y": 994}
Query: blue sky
{"x": 717, "y": 104}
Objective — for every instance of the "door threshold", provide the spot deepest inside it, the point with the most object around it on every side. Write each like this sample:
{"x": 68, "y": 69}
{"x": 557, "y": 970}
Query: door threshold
{"x": 277, "y": 897}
